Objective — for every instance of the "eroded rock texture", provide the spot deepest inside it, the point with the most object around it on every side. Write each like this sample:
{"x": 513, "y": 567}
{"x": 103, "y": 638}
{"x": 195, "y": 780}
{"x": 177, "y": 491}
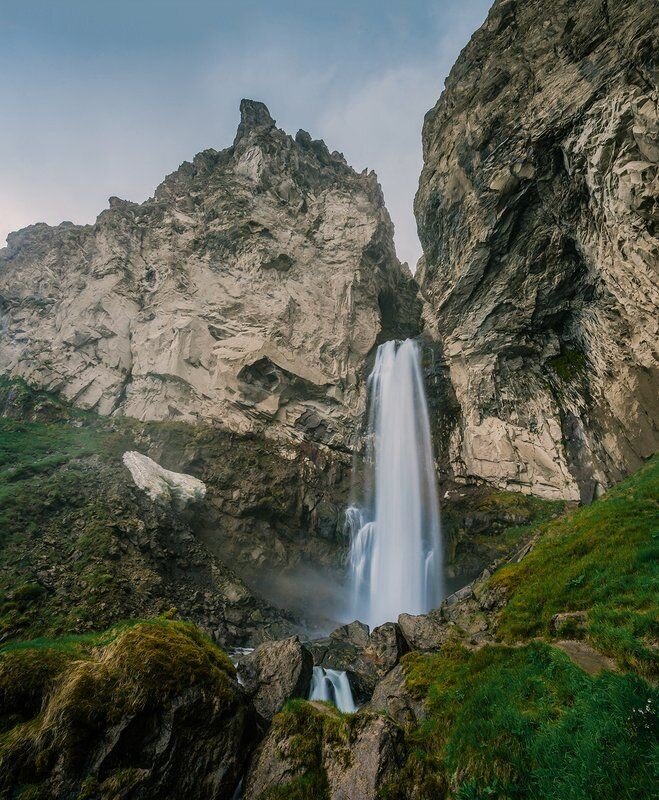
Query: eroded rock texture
{"x": 537, "y": 210}
{"x": 250, "y": 289}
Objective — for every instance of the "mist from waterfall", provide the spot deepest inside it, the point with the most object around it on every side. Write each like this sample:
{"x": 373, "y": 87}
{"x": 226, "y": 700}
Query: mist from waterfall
{"x": 395, "y": 535}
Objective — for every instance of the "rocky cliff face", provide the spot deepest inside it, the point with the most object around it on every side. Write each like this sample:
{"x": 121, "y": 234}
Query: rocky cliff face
{"x": 250, "y": 289}
{"x": 538, "y": 211}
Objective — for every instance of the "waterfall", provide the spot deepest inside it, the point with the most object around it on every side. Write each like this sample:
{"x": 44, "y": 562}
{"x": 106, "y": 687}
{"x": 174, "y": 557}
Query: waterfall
{"x": 395, "y": 549}
{"x": 332, "y": 686}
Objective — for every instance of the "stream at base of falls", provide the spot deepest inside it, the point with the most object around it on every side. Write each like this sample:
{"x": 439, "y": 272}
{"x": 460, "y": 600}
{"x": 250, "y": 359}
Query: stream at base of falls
{"x": 332, "y": 686}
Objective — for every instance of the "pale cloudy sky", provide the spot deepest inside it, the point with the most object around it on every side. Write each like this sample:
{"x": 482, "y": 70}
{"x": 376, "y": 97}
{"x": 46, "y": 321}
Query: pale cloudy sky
{"x": 104, "y": 97}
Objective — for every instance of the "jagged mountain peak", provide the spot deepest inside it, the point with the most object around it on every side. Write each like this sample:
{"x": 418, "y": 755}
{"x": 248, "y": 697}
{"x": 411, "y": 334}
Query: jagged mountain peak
{"x": 253, "y": 114}
{"x": 250, "y": 289}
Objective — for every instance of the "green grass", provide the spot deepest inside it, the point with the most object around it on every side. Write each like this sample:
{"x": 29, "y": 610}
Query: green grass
{"x": 526, "y": 723}
{"x": 602, "y": 559}
{"x": 58, "y": 698}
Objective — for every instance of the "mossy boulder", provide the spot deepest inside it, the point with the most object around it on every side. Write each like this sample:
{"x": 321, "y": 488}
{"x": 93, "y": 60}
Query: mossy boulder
{"x": 150, "y": 709}
{"x": 313, "y": 752}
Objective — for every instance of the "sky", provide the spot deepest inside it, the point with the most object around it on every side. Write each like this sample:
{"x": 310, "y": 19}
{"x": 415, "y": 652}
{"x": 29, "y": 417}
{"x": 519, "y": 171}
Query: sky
{"x": 106, "y": 97}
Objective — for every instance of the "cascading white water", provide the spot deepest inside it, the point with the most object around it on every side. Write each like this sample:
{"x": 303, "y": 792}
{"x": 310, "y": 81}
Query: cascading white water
{"x": 395, "y": 548}
{"x": 332, "y": 686}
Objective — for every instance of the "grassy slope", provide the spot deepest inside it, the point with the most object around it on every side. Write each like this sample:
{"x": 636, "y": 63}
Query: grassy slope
{"x": 56, "y": 465}
{"x": 524, "y": 721}
{"x": 601, "y": 559}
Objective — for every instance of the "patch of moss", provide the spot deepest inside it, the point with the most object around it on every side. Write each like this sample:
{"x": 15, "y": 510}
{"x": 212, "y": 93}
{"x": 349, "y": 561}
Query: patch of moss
{"x": 66, "y": 694}
{"x": 525, "y": 722}
{"x": 569, "y": 365}
{"x": 602, "y": 559}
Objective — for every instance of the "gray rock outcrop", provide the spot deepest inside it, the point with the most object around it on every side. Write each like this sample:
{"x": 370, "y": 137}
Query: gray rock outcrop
{"x": 353, "y": 765}
{"x": 249, "y": 290}
{"x": 537, "y": 211}
{"x": 276, "y": 672}
{"x": 392, "y": 697}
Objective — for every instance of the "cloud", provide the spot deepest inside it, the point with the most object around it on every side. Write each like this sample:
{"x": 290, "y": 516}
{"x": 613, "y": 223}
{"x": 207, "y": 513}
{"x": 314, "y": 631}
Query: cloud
{"x": 84, "y": 127}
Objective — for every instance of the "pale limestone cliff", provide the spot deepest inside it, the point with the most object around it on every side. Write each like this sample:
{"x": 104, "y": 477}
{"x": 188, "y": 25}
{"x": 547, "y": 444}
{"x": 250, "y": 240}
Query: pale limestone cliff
{"x": 249, "y": 290}
{"x": 538, "y": 208}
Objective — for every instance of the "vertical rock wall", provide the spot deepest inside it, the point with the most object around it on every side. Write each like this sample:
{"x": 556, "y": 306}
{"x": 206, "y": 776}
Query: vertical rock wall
{"x": 537, "y": 208}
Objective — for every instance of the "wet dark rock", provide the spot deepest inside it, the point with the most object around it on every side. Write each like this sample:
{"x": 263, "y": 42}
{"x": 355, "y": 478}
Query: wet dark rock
{"x": 365, "y": 657}
{"x": 276, "y": 672}
{"x": 392, "y": 696}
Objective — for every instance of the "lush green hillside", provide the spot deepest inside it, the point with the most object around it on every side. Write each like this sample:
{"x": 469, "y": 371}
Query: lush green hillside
{"x": 526, "y": 722}
{"x": 519, "y": 720}
{"x": 603, "y": 560}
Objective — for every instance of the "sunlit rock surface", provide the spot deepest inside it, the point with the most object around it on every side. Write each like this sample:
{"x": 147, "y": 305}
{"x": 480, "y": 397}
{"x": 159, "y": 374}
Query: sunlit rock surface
{"x": 249, "y": 290}
{"x": 163, "y": 485}
{"x": 537, "y": 211}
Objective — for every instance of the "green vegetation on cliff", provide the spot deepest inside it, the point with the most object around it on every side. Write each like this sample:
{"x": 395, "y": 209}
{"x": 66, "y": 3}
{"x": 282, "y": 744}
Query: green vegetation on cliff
{"x": 603, "y": 560}
{"x": 524, "y": 721}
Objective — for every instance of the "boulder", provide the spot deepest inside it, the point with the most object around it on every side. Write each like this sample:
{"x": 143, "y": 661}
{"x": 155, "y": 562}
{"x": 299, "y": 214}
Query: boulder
{"x": 355, "y": 633}
{"x": 276, "y": 672}
{"x": 162, "y": 485}
{"x": 156, "y": 712}
{"x": 365, "y": 657}
{"x": 569, "y": 623}
{"x": 392, "y": 696}
{"x": 385, "y": 647}
{"x": 424, "y": 631}
{"x": 375, "y": 754}
{"x": 339, "y": 758}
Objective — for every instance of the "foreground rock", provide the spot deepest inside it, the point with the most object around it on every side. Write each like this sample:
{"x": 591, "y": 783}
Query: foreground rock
{"x": 163, "y": 485}
{"x": 366, "y": 657}
{"x": 392, "y": 697}
{"x": 276, "y": 672}
{"x": 341, "y": 758}
{"x": 537, "y": 211}
{"x": 155, "y": 713}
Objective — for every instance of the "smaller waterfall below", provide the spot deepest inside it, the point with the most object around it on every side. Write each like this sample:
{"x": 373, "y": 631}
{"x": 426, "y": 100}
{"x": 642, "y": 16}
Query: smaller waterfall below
{"x": 332, "y": 686}
{"x": 395, "y": 537}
